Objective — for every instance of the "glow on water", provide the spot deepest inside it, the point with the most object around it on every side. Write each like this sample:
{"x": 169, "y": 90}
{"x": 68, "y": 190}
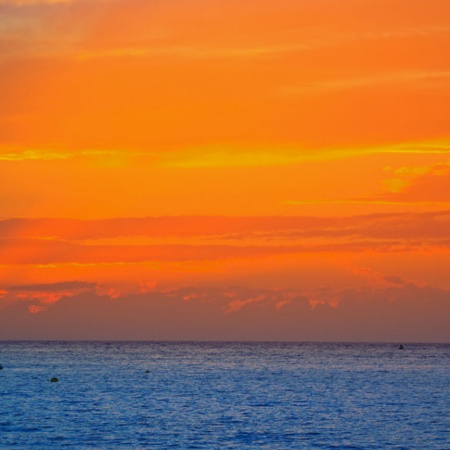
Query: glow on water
{"x": 224, "y": 395}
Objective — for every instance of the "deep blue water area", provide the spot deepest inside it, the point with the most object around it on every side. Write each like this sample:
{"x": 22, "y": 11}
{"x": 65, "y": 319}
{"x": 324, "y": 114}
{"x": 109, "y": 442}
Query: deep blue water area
{"x": 224, "y": 395}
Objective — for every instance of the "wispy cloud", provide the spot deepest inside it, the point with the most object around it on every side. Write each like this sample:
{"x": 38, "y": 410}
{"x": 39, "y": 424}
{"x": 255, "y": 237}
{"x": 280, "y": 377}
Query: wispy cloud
{"x": 34, "y": 2}
{"x": 7, "y": 154}
{"x": 403, "y": 79}
{"x": 198, "y": 51}
{"x": 407, "y": 185}
{"x": 59, "y": 241}
{"x": 416, "y": 185}
{"x": 224, "y": 156}
{"x": 222, "y": 227}
{"x": 34, "y": 155}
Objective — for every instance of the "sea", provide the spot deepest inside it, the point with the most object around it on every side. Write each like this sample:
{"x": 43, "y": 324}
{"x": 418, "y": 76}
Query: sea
{"x": 224, "y": 395}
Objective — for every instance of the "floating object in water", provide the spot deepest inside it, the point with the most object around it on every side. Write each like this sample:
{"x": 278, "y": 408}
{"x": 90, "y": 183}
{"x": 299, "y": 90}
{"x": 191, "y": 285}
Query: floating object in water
{"x": 147, "y": 371}
{"x": 401, "y": 347}
{"x": 54, "y": 380}
{"x": 1, "y": 367}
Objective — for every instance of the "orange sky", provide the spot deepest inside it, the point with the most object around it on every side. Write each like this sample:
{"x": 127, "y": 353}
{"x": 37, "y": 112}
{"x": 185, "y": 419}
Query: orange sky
{"x": 201, "y": 169}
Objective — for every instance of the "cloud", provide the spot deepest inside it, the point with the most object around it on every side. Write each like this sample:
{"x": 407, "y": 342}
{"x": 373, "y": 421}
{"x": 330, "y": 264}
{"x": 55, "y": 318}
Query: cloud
{"x": 44, "y": 294}
{"x": 34, "y": 2}
{"x": 210, "y": 238}
{"x": 422, "y": 185}
{"x": 37, "y": 252}
{"x": 429, "y": 184}
{"x": 55, "y": 287}
{"x": 410, "y": 79}
{"x": 33, "y": 155}
{"x": 379, "y": 280}
{"x": 393, "y": 312}
{"x": 7, "y": 154}
{"x": 68, "y": 233}
{"x": 187, "y": 52}
{"x": 237, "y": 305}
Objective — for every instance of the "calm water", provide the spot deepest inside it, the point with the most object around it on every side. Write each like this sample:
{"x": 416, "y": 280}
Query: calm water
{"x": 224, "y": 395}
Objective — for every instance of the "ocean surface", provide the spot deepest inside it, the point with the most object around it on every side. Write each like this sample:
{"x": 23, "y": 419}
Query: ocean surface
{"x": 144, "y": 395}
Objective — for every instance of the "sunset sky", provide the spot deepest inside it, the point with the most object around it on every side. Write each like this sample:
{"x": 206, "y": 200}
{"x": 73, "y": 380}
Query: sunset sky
{"x": 225, "y": 170}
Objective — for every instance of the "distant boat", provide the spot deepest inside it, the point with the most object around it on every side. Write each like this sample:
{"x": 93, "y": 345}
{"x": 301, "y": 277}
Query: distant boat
{"x": 401, "y": 347}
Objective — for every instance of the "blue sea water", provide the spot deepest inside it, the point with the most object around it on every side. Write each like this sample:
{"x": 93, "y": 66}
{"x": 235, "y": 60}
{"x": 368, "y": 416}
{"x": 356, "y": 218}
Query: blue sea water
{"x": 224, "y": 395}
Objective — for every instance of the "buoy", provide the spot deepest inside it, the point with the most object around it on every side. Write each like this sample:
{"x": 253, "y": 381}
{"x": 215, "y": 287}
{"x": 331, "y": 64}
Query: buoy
{"x": 1, "y": 367}
{"x": 147, "y": 371}
{"x": 54, "y": 380}
{"x": 401, "y": 347}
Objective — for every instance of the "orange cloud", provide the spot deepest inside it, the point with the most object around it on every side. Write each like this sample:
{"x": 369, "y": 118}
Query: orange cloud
{"x": 237, "y": 305}
{"x": 430, "y": 184}
{"x": 44, "y": 295}
{"x": 57, "y": 232}
{"x": 34, "y": 309}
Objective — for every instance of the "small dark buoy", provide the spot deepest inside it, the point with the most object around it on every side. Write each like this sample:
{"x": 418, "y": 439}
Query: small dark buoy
{"x": 401, "y": 347}
{"x": 1, "y": 367}
{"x": 147, "y": 371}
{"x": 54, "y": 380}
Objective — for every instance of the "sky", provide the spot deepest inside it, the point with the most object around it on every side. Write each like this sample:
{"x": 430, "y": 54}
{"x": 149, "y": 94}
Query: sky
{"x": 225, "y": 170}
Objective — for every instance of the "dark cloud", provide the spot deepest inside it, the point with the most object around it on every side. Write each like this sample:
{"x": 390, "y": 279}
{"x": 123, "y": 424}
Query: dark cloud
{"x": 53, "y": 287}
{"x": 394, "y": 280}
{"x": 391, "y": 313}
